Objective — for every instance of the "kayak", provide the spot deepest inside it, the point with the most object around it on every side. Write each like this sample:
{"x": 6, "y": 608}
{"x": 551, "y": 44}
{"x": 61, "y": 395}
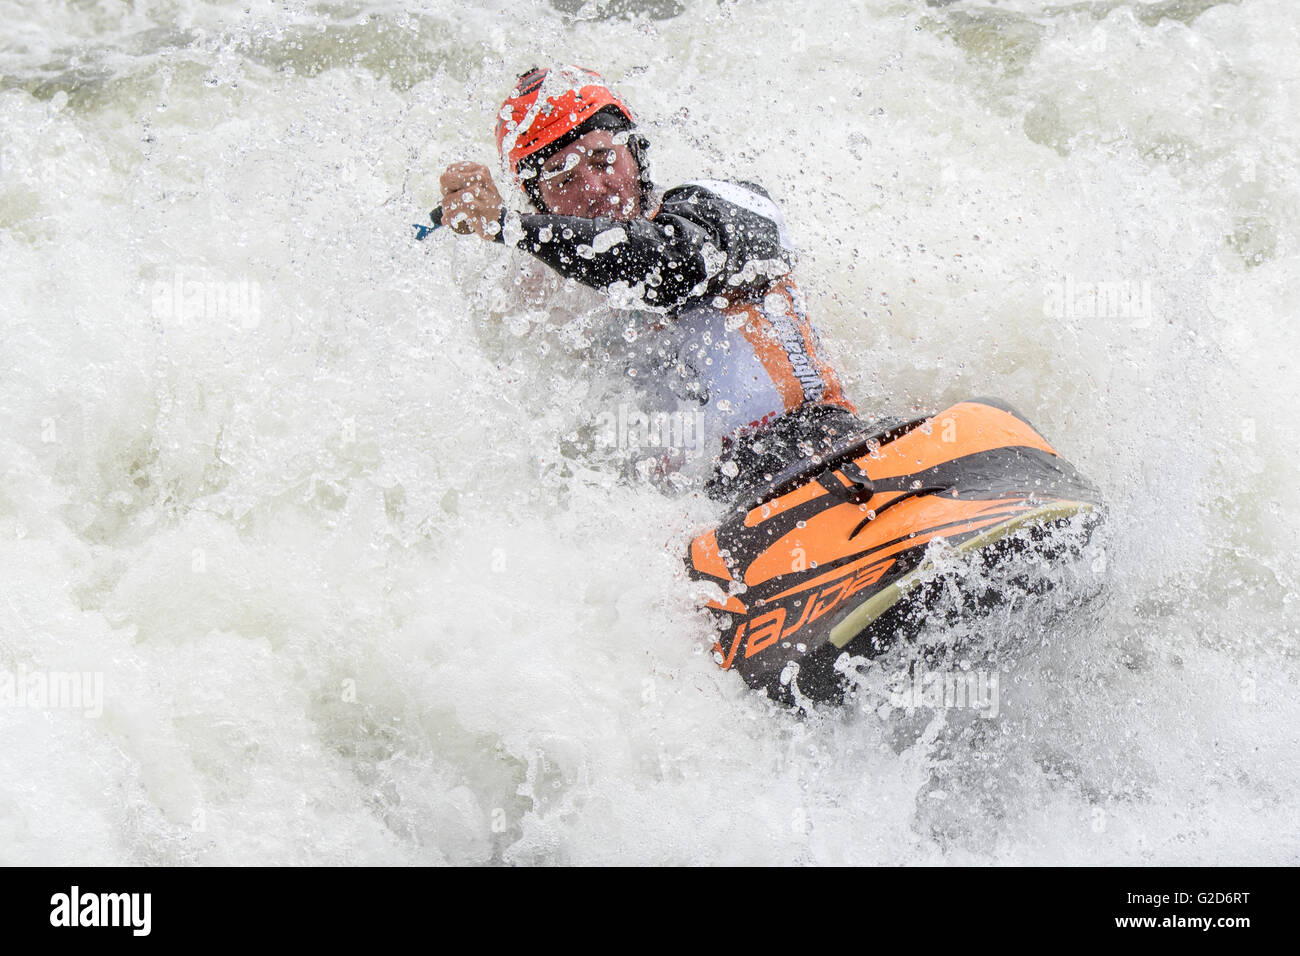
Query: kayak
{"x": 850, "y": 554}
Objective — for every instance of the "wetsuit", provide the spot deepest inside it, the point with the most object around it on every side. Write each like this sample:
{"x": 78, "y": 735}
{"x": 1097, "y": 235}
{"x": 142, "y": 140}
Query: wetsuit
{"x": 715, "y": 318}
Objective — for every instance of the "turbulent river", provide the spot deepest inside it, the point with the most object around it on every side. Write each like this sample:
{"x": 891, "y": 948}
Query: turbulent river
{"x": 297, "y": 498}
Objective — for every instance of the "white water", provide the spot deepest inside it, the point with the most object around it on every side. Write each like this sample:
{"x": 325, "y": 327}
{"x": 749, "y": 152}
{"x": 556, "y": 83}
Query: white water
{"x": 352, "y": 603}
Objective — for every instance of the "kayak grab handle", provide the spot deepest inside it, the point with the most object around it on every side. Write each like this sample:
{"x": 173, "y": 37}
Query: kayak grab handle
{"x": 860, "y": 488}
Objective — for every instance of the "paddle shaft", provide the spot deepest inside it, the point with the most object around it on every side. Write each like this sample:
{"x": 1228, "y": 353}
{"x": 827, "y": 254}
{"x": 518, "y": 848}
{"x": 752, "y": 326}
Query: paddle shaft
{"x": 422, "y": 232}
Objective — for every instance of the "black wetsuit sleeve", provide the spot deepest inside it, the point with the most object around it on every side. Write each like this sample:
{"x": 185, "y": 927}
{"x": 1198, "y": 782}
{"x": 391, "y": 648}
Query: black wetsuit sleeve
{"x": 699, "y": 245}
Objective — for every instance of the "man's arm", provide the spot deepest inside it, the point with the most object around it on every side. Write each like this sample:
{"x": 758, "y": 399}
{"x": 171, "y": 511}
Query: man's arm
{"x": 708, "y": 240}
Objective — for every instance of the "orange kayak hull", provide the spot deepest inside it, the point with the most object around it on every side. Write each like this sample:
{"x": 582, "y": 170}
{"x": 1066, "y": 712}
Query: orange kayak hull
{"x": 829, "y": 559}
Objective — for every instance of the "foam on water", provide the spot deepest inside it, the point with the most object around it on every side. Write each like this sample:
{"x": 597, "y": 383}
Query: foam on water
{"x": 303, "y": 491}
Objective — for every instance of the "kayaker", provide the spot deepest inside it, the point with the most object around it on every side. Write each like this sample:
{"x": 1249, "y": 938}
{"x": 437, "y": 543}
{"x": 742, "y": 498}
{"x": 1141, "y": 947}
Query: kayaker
{"x": 705, "y": 269}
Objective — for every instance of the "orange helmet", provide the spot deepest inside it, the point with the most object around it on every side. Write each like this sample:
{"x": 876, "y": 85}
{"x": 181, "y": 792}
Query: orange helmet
{"x": 525, "y": 127}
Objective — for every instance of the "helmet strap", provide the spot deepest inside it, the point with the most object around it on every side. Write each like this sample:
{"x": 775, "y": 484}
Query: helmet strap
{"x": 639, "y": 146}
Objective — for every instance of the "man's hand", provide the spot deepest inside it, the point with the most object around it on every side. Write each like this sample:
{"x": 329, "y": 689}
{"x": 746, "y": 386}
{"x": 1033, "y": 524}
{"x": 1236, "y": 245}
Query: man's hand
{"x": 470, "y": 201}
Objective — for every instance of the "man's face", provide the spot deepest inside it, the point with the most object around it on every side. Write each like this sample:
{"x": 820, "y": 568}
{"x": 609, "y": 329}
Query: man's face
{"x": 592, "y": 176}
